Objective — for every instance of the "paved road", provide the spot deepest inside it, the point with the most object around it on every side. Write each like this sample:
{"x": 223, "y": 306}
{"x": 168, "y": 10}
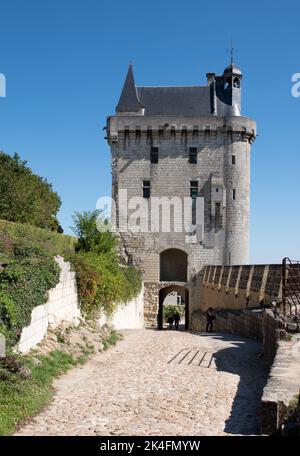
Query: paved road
{"x": 160, "y": 383}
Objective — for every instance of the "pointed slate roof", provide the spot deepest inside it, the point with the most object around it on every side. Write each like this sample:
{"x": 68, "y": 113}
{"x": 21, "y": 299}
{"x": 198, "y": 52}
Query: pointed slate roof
{"x": 186, "y": 101}
{"x": 129, "y": 101}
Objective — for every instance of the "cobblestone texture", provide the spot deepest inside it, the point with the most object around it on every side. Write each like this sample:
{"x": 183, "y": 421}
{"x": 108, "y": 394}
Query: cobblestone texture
{"x": 160, "y": 383}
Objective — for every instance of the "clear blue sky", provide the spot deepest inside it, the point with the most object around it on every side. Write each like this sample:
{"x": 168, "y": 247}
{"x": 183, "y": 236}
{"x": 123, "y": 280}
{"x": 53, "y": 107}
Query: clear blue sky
{"x": 65, "y": 63}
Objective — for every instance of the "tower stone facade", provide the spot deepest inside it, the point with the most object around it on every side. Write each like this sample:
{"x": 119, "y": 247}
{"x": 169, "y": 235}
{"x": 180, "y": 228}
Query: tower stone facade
{"x": 188, "y": 144}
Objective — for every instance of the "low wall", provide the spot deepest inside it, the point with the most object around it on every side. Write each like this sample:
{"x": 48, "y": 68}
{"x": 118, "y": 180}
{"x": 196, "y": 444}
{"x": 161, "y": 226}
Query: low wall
{"x": 239, "y": 287}
{"x": 128, "y": 315}
{"x": 239, "y": 295}
{"x": 246, "y": 323}
{"x": 255, "y": 324}
{"x": 62, "y": 305}
{"x": 282, "y": 386}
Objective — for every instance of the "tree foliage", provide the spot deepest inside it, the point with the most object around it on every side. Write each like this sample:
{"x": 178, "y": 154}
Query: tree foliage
{"x": 90, "y": 238}
{"x": 170, "y": 310}
{"x": 26, "y": 197}
{"x": 102, "y": 281}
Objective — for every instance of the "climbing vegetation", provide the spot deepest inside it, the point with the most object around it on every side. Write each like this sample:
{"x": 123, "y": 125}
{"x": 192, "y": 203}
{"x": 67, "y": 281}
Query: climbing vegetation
{"x": 24, "y": 283}
{"x": 102, "y": 281}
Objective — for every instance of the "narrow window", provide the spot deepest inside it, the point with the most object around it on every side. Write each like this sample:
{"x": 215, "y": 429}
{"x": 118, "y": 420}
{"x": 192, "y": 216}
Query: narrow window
{"x": 178, "y": 300}
{"x": 137, "y": 136}
{"x": 149, "y": 135}
{"x": 217, "y": 190}
{"x": 146, "y": 189}
{"x": 194, "y": 189}
{"x": 193, "y": 155}
{"x": 236, "y": 83}
{"x": 233, "y": 193}
{"x": 233, "y": 159}
{"x": 217, "y": 216}
{"x": 194, "y": 194}
{"x": 154, "y": 155}
{"x": 126, "y": 134}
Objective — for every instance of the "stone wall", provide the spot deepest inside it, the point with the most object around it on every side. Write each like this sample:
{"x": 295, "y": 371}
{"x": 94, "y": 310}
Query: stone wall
{"x": 258, "y": 324}
{"x": 282, "y": 386}
{"x": 239, "y": 287}
{"x": 130, "y": 315}
{"x": 221, "y": 287}
{"x": 62, "y": 305}
{"x": 239, "y": 295}
{"x": 222, "y": 182}
{"x": 217, "y": 141}
{"x": 247, "y": 323}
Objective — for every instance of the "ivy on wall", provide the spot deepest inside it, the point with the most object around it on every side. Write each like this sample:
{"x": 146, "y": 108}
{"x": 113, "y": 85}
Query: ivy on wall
{"x": 24, "y": 283}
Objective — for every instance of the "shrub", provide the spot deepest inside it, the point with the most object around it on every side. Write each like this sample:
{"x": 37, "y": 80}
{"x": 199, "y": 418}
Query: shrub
{"x": 90, "y": 239}
{"x": 87, "y": 283}
{"x": 102, "y": 282}
{"x": 171, "y": 310}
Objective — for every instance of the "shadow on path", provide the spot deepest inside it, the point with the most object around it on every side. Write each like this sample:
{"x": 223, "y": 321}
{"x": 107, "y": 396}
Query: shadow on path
{"x": 242, "y": 358}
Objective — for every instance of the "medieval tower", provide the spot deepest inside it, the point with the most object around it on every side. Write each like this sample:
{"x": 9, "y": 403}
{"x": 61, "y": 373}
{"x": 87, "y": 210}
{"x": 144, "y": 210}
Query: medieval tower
{"x": 175, "y": 148}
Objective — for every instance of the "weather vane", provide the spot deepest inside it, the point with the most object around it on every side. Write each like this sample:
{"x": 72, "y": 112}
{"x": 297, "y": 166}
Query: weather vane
{"x": 231, "y": 51}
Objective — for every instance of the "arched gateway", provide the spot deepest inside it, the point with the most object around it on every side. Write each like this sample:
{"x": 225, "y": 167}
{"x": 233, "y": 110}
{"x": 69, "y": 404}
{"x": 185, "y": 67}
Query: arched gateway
{"x": 163, "y": 293}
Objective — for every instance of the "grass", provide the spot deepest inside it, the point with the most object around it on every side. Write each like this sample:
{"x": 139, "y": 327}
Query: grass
{"x": 21, "y": 399}
{"x": 52, "y": 242}
{"x": 112, "y": 339}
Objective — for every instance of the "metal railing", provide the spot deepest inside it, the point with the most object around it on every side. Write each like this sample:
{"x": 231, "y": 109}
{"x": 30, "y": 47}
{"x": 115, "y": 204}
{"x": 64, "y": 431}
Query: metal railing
{"x": 290, "y": 286}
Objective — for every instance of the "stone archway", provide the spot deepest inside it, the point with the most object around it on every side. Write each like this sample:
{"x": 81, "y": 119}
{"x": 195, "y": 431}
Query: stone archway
{"x": 163, "y": 293}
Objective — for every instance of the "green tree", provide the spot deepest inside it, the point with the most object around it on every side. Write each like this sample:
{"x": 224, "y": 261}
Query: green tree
{"x": 169, "y": 310}
{"x": 26, "y": 197}
{"x": 90, "y": 239}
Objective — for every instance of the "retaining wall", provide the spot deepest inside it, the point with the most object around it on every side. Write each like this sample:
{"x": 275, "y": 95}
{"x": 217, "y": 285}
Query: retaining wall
{"x": 282, "y": 386}
{"x": 128, "y": 315}
{"x": 62, "y": 305}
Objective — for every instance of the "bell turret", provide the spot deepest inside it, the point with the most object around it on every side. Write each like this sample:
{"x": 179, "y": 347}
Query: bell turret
{"x": 231, "y": 92}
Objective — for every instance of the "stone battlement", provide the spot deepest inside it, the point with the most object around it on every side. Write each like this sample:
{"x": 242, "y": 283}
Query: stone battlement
{"x": 239, "y": 287}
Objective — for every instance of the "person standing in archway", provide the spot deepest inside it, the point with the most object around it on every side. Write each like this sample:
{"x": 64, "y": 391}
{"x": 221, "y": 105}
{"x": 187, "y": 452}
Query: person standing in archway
{"x": 210, "y": 317}
{"x": 177, "y": 320}
{"x": 171, "y": 321}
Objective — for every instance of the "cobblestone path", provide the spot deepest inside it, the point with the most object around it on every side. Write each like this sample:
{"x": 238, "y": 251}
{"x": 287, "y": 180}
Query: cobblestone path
{"x": 160, "y": 383}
